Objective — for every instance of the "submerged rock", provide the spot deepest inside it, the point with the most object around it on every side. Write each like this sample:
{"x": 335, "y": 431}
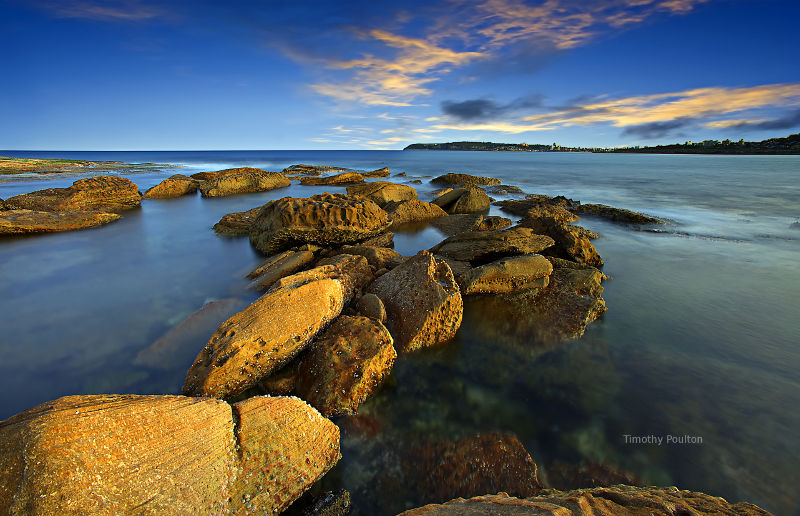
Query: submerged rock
{"x": 326, "y": 219}
{"x": 346, "y": 363}
{"x": 236, "y": 223}
{"x": 19, "y": 222}
{"x": 102, "y": 193}
{"x": 484, "y": 246}
{"x": 422, "y": 301}
{"x": 383, "y": 192}
{"x": 255, "y": 180}
{"x": 602, "y": 501}
{"x": 255, "y": 456}
{"x": 276, "y": 267}
{"x": 381, "y": 172}
{"x": 620, "y": 215}
{"x": 464, "y": 180}
{"x": 174, "y": 186}
{"x": 414, "y": 210}
{"x": 345, "y": 178}
{"x": 507, "y": 275}
{"x": 464, "y": 200}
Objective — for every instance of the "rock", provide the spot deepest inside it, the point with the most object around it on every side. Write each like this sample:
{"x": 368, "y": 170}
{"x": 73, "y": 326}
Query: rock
{"x": 383, "y": 192}
{"x": 103, "y": 193}
{"x": 507, "y": 275}
{"x": 561, "y": 263}
{"x": 564, "y": 476}
{"x": 382, "y": 240}
{"x": 281, "y": 383}
{"x": 793, "y": 225}
{"x": 415, "y": 182}
{"x": 586, "y": 233}
{"x": 253, "y": 181}
{"x": 559, "y": 213}
{"x": 422, "y": 301}
{"x": 492, "y": 223}
{"x": 533, "y": 201}
{"x": 381, "y": 172}
{"x": 503, "y": 190}
{"x": 3, "y": 206}
{"x": 236, "y": 223}
{"x": 455, "y": 224}
{"x": 109, "y": 454}
{"x": 326, "y": 219}
{"x": 620, "y": 215}
{"x": 205, "y": 176}
{"x": 479, "y": 247}
{"x": 464, "y": 180}
{"x": 413, "y": 210}
{"x": 18, "y": 222}
{"x": 601, "y": 501}
{"x": 276, "y": 267}
{"x": 345, "y": 178}
{"x": 400, "y": 174}
{"x": 377, "y": 257}
{"x": 571, "y": 242}
{"x": 331, "y": 503}
{"x": 464, "y": 200}
{"x": 345, "y": 365}
{"x": 311, "y": 170}
{"x": 352, "y": 271}
{"x": 174, "y": 186}
{"x": 441, "y": 191}
{"x": 266, "y": 335}
{"x": 370, "y": 305}
{"x": 179, "y": 345}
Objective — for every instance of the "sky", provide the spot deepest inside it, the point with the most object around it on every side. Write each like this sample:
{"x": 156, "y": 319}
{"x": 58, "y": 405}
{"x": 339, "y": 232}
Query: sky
{"x": 356, "y": 74}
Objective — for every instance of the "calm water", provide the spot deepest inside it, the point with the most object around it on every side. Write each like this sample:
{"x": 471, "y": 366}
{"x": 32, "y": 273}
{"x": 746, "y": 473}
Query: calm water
{"x": 701, "y": 337}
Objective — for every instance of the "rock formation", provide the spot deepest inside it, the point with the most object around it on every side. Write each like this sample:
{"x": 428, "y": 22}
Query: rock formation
{"x": 103, "y": 194}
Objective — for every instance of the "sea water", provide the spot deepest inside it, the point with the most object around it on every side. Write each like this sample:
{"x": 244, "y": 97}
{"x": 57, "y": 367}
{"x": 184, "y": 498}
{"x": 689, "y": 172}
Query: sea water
{"x": 700, "y": 346}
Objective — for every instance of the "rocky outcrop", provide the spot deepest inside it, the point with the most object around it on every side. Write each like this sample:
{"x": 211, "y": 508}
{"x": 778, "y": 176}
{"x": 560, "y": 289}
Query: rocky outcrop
{"x": 412, "y": 211}
{"x": 326, "y": 219}
{"x": 480, "y": 247}
{"x": 532, "y": 201}
{"x": 507, "y": 275}
{"x": 112, "y": 454}
{"x": 345, "y": 365}
{"x": 252, "y": 181}
{"x": 345, "y": 178}
{"x": 422, "y": 301}
{"x": 311, "y": 170}
{"x": 620, "y": 215}
{"x": 603, "y": 501}
{"x": 464, "y": 180}
{"x": 382, "y": 240}
{"x": 504, "y": 190}
{"x": 455, "y": 224}
{"x": 174, "y": 186}
{"x": 178, "y": 346}
{"x": 352, "y": 271}
{"x": 571, "y": 242}
{"x": 268, "y": 334}
{"x": 559, "y": 213}
{"x": 383, "y": 192}
{"x": 205, "y": 176}
{"x": 277, "y": 266}
{"x": 236, "y": 223}
{"x": 381, "y": 172}
{"x": 493, "y": 223}
{"x": 377, "y": 257}
{"x": 103, "y": 193}
{"x": 464, "y": 200}
{"x": 20, "y": 222}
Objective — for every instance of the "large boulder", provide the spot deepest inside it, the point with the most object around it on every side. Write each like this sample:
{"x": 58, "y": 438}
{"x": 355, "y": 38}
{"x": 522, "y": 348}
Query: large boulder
{"x": 422, "y": 301}
{"x": 103, "y": 193}
{"x": 345, "y": 365}
{"x": 620, "y": 215}
{"x": 236, "y": 223}
{"x": 464, "y": 200}
{"x": 383, "y": 192}
{"x": 479, "y": 247}
{"x": 571, "y": 242}
{"x": 174, "y": 186}
{"x": 18, "y": 222}
{"x": 345, "y": 178}
{"x": 464, "y": 180}
{"x": 266, "y": 335}
{"x": 601, "y": 501}
{"x": 325, "y": 219}
{"x": 256, "y": 180}
{"x": 113, "y": 454}
{"x": 506, "y": 275}
{"x": 412, "y": 210}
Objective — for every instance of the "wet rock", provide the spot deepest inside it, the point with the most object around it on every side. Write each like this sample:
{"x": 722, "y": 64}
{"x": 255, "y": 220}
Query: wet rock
{"x": 345, "y": 178}
{"x": 464, "y": 200}
{"x": 382, "y": 240}
{"x": 455, "y": 224}
{"x": 504, "y": 190}
{"x": 561, "y": 263}
{"x": 413, "y": 210}
{"x": 564, "y": 476}
{"x": 326, "y": 219}
{"x": 103, "y": 193}
{"x": 370, "y": 305}
{"x": 383, "y": 192}
{"x": 174, "y": 186}
{"x": 352, "y": 271}
{"x": 464, "y": 180}
{"x": 422, "y": 301}
{"x": 441, "y": 191}
{"x": 281, "y": 383}
{"x": 377, "y": 257}
{"x": 533, "y": 201}
{"x": 179, "y": 345}
{"x": 311, "y": 170}
{"x": 332, "y": 503}
{"x": 268, "y": 334}
{"x": 205, "y": 176}
{"x": 416, "y": 182}
{"x": 485, "y": 246}
{"x": 252, "y": 181}
{"x": 278, "y": 266}
{"x": 620, "y": 215}
{"x": 559, "y": 213}
{"x": 571, "y": 242}
{"x": 381, "y": 172}
{"x": 345, "y": 365}
{"x": 507, "y": 275}
{"x": 236, "y": 223}
{"x": 19, "y": 222}
{"x": 493, "y": 223}
{"x": 601, "y": 501}
{"x": 112, "y": 451}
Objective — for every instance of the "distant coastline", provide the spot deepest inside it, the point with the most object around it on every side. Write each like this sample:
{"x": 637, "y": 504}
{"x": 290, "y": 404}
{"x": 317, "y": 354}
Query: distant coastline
{"x": 787, "y": 145}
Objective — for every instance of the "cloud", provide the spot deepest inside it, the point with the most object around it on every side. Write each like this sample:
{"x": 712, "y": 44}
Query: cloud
{"x": 788, "y": 121}
{"x": 655, "y": 130}
{"x": 481, "y": 109}
{"x": 104, "y": 11}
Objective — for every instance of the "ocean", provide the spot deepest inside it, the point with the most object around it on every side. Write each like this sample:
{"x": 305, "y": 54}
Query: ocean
{"x": 700, "y": 346}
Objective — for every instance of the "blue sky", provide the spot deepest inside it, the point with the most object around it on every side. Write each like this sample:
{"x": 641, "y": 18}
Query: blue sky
{"x": 142, "y": 74}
